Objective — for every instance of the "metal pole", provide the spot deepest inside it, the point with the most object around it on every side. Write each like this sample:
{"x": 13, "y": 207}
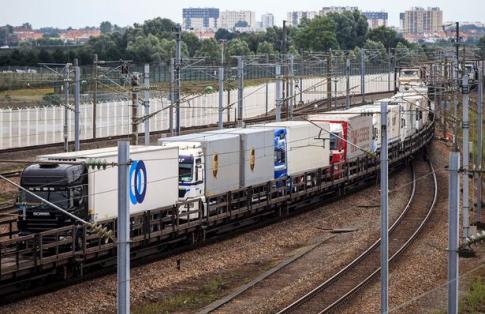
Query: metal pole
{"x": 384, "y": 210}
{"x": 228, "y": 103}
{"x": 266, "y": 90}
{"x": 479, "y": 158}
{"x": 335, "y": 81}
{"x": 301, "y": 90}
{"x": 240, "y": 90}
{"x": 221, "y": 96}
{"x": 123, "y": 227}
{"x": 389, "y": 68}
{"x": 453, "y": 222}
{"x": 66, "y": 109}
{"x": 329, "y": 77}
{"x": 178, "y": 36}
{"x": 134, "y": 112}
{"x": 284, "y": 51}
{"x": 457, "y": 47}
{"x": 394, "y": 65}
{"x": 347, "y": 83}
{"x": 291, "y": 88}
{"x": 146, "y": 103}
{"x": 465, "y": 127}
{"x": 95, "y": 91}
{"x": 284, "y": 40}
{"x": 279, "y": 96}
{"x": 362, "y": 74}
{"x": 440, "y": 103}
{"x": 172, "y": 93}
{"x": 77, "y": 101}
{"x": 455, "y": 121}
{"x": 266, "y": 104}
{"x": 444, "y": 95}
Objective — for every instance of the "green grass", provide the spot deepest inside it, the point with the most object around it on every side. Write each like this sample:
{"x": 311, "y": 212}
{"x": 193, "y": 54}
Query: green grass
{"x": 27, "y": 92}
{"x": 186, "y": 299}
{"x": 474, "y": 300}
{"x": 24, "y": 96}
{"x": 191, "y": 296}
{"x": 472, "y": 118}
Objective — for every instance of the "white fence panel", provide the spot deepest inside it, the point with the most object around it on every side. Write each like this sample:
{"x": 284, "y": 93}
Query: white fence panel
{"x": 44, "y": 125}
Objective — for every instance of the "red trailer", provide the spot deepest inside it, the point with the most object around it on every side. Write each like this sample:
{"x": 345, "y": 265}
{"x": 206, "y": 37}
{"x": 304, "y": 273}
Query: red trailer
{"x": 351, "y": 135}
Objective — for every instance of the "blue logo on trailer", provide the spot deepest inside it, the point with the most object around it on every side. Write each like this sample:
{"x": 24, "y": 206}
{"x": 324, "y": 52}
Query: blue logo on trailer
{"x": 280, "y": 169}
{"x": 138, "y": 176}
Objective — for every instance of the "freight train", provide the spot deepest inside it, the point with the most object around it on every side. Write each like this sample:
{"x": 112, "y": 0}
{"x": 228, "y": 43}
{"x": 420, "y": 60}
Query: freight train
{"x": 199, "y": 166}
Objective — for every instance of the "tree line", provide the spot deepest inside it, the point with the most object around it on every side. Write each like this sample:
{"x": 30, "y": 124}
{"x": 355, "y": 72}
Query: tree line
{"x": 154, "y": 42}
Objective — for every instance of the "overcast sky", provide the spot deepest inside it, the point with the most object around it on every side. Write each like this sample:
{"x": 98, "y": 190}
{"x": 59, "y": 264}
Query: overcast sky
{"x": 79, "y": 13}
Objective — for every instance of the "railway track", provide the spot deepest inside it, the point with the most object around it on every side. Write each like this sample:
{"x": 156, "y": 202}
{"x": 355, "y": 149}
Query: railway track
{"x": 8, "y": 212}
{"x": 11, "y": 173}
{"x": 336, "y": 290}
{"x": 279, "y": 269}
{"x": 13, "y": 285}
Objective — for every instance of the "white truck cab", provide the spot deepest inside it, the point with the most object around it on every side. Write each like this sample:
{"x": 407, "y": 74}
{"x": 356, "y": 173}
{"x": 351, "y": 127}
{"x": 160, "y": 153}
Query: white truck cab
{"x": 409, "y": 78}
{"x": 206, "y": 168}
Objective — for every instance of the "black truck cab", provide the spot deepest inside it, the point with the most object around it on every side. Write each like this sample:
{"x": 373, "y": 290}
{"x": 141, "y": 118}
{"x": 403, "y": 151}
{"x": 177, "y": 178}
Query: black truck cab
{"x": 62, "y": 184}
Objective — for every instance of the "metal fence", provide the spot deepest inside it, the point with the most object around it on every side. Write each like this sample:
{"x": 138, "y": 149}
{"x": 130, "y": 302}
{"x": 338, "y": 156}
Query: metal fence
{"x": 44, "y": 125}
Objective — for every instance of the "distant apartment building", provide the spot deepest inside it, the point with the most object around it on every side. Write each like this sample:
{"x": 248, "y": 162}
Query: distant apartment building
{"x": 204, "y": 34}
{"x": 401, "y": 22}
{"x": 234, "y": 19}
{"x": 326, "y": 10}
{"x": 376, "y": 19}
{"x": 28, "y": 35}
{"x": 422, "y": 21}
{"x": 79, "y": 35}
{"x": 200, "y": 18}
{"x": 294, "y": 18}
{"x": 267, "y": 20}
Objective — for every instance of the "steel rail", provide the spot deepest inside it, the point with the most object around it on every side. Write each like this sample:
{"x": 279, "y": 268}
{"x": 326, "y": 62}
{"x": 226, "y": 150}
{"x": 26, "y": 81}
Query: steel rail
{"x": 310, "y": 295}
{"x": 218, "y": 304}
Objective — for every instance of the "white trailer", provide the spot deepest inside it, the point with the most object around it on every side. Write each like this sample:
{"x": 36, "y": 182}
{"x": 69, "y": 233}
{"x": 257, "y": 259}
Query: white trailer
{"x": 153, "y": 179}
{"x": 393, "y": 121}
{"x": 217, "y": 155}
{"x": 408, "y": 117}
{"x": 305, "y": 146}
{"x": 419, "y": 104}
{"x": 256, "y": 154}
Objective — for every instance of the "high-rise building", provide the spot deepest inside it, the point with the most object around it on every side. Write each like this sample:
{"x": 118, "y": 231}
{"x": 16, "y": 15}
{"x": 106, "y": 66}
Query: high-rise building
{"x": 267, "y": 20}
{"x": 200, "y": 18}
{"x": 420, "y": 21}
{"x": 294, "y": 18}
{"x": 376, "y": 19}
{"x": 401, "y": 21}
{"x": 326, "y": 10}
{"x": 232, "y": 19}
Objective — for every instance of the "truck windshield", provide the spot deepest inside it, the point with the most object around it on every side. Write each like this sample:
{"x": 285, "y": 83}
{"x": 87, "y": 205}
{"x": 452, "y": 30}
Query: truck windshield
{"x": 333, "y": 141}
{"x": 185, "y": 171}
{"x": 280, "y": 157}
{"x": 59, "y": 198}
{"x": 410, "y": 73}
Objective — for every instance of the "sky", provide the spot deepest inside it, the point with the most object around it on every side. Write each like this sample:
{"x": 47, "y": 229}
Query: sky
{"x": 80, "y": 13}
